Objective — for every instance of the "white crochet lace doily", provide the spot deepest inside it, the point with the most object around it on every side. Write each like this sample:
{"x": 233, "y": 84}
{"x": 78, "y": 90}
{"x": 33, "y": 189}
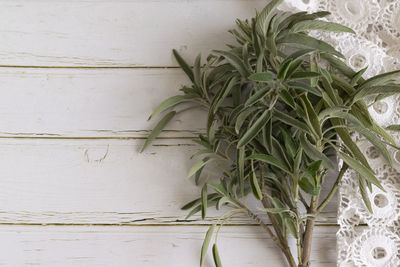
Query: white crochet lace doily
{"x": 367, "y": 239}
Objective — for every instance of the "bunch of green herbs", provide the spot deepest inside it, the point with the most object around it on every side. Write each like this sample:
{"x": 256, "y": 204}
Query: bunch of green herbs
{"x": 280, "y": 104}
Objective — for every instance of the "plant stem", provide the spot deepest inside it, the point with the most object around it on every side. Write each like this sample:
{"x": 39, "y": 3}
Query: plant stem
{"x": 283, "y": 240}
{"x": 334, "y": 188}
{"x": 307, "y": 237}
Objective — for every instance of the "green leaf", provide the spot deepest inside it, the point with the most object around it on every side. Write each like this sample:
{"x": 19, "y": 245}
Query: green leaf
{"x": 365, "y": 172}
{"x": 242, "y": 118}
{"x": 259, "y": 95}
{"x": 297, "y": 159}
{"x": 262, "y": 77}
{"x": 255, "y": 128}
{"x": 197, "y": 71}
{"x": 393, "y": 127}
{"x": 218, "y": 188}
{"x": 197, "y": 201}
{"x": 357, "y": 76}
{"x": 320, "y": 25}
{"x": 240, "y": 159}
{"x": 297, "y": 54}
{"x": 270, "y": 160}
{"x": 314, "y": 154}
{"x": 364, "y": 194}
{"x": 157, "y": 129}
{"x": 305, "y": 87}
{"x": 262, "y": 17}
{"x": 217, "y": 259}
{"x": 196, "y": 167}
{"x": 330, "y": 112}
{"x": 304, "y": 41}
{"x": 382, "y": 89}
{"x": 222, "y": 201}
{"x": 182, "y": 63}
{"x": 293, "y": 66}
{"x": 290, "y": 121}
{"x": 254, "y": 184}
{"x": 289, "y": 143}
{"x": 286, "y": 97}
{"x": 206, "y": 244}
{"x": 235, "y": 61}
{"x": 222, "y": 94}
{"x": 380, "y": 79}
{"x": 340, "y": 65}
{"x": 312, "y": 116}
{"x": 308, "y": 187}
{"x": 304, "y": 75}
{"x": 203, "y": 201}
{"x": 170, "y": 102}
{"x": 376, "y": 142}
{"x": 290, "y": 225}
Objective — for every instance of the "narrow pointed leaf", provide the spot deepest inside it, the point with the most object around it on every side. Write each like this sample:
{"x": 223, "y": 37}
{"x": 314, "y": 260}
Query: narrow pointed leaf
{"x": 304, "y": 41}
{"x": 365, "y": 173}
{"x": 262, "y": 77}
{"x": 217, "y": 259}
{"x": 158, "y": 128}
{"x": 206, "y": 244}
{"x": 314, "y": 154}
{"x": 235, "y": 61}
{"x": 306, "y": 88}
{"x": 204, "y": 201}
{"x": 196, "y": 167}
{"x": 257, "y": 96}
{"x": 290, "y": 120}
{"x": 270, "y": 160}
{"x": 182, "y": 63}
{"x": 382, "y": 89}
{"x": 254, "y": 184}
{"x": 242, "y": 118}
{"x": 308, "y": 187}
{"x": 170, "y": 102}
{"x": 262, "y": 17}
{"x": 357, "y": 76}
{"x": 320, "y": 25}
{"x": 380, "y": 79}
{"x": 255, "y": 128}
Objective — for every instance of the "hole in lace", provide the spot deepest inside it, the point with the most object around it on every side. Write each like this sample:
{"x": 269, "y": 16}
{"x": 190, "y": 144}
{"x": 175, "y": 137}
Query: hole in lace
{"x": 397, "y": 156}
{"x": 351, "y": 7}
{"x": 381, "y": 107}
{"x": 372, "y": 152}
{"x": 358, "y": 61}
{"x": 306, "y": 1}
{"x": 381, "y": 201}
{"x": 378, "y": 253}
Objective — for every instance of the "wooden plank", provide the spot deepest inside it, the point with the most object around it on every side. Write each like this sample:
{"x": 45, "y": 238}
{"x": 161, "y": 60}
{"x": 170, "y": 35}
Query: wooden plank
{"x": 99, "y": 182}
{"x": 99, "y": 103}
{"x": 148, "y": 246}
{"x": 119, "y": 33}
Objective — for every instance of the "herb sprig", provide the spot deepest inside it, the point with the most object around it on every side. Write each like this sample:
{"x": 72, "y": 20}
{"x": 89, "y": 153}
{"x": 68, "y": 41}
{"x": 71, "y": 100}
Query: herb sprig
{"x": 277, "y": 114}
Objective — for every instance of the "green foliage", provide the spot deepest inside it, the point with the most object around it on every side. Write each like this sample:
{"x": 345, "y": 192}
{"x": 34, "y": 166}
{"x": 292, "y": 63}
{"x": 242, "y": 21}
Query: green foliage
{"x": 276, "y": 113}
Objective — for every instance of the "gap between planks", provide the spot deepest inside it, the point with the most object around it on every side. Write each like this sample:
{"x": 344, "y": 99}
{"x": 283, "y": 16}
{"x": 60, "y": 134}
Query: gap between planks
{"x": 155, "y": 225}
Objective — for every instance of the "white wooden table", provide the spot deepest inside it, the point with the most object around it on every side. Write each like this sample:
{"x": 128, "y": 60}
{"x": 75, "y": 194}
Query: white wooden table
{"x": 78, "y": 79}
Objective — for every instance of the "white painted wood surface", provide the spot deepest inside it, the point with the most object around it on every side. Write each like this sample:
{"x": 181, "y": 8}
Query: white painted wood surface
{"x": 115, "y": 33}
{"x": 99, "y": 182}
{"x": 78, "y": 79}
{"x": 147, "y": 246}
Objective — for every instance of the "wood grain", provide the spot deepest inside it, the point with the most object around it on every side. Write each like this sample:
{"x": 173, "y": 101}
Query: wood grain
{"x": 88, "y": 103}
{"x": 119, "y": 33}
{"x": 148, "y": 246}
{"x": 99, "y": 182}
